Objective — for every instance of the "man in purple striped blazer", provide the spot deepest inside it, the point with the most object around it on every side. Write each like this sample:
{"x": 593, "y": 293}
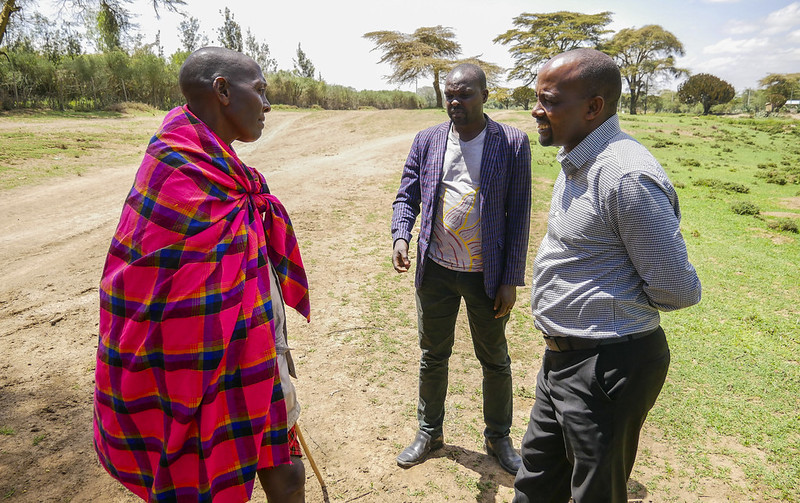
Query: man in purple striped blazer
{"x": 471, "y": 179}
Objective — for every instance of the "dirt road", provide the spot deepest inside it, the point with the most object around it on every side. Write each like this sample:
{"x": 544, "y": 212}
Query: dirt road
{"x": 336, "y": 172}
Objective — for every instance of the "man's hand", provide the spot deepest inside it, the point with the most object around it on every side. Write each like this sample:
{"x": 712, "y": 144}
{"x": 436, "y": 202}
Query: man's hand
{"x": 400, "y": 256}
{"x": 504, "y": 301}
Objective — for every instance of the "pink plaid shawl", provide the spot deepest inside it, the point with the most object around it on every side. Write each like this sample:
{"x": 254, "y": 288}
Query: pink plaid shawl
{"x": 186, "y": 382}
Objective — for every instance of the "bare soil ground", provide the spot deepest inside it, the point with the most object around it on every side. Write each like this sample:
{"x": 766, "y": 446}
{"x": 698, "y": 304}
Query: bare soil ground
{"x": 336, "y": 173}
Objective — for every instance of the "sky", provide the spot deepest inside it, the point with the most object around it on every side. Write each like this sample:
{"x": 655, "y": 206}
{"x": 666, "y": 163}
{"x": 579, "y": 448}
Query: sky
{"x": 740, "y": 41}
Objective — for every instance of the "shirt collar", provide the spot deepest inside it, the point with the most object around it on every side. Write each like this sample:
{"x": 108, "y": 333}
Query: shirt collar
{"x": 589, "y": 147}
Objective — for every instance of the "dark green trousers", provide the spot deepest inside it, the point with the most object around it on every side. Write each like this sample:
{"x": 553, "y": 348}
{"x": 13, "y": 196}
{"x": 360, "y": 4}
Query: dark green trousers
{"x": 438, "y": 302}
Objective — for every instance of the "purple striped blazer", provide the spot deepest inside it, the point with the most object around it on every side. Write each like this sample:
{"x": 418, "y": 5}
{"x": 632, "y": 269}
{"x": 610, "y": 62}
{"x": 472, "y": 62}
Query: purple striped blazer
{"x": 504, "y": 199}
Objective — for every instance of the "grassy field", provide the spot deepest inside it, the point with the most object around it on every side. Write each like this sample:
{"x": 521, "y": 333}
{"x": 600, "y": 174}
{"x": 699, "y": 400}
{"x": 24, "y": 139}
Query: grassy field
{"x": 729, "y": 411}
{"x": 732, "y": 399}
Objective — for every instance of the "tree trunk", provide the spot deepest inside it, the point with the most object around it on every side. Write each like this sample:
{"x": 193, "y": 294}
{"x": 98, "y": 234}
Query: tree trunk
{"x": 436, "y": 88}
{"x": 9, "y": 7}
{"x": 634, "y": 101}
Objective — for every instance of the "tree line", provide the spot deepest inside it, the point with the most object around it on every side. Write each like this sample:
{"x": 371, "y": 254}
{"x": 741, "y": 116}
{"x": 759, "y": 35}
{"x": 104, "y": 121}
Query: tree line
{"x": 645, "y": 56}
{"x": 44, "y": 65}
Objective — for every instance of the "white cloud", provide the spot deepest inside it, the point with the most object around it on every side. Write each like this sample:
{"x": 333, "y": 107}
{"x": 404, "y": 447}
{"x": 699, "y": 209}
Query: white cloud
{"x": 783, "y": 19}
{"x": 721, "y": 1}
{"x": 737, "y": 27}
{"x": 733, "y": 46}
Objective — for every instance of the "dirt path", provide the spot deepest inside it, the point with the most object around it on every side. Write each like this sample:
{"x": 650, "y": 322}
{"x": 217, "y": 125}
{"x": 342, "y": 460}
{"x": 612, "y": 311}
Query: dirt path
{"x": 336, "y": 173}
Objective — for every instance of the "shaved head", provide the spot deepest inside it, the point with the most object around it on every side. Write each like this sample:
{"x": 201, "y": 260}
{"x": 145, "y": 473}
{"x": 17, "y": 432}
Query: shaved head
{"x": 469, "y": 72}
{"x": 596, "y": 71}
{"x": 227, "y": 91}
{"x": 203, "y": 66}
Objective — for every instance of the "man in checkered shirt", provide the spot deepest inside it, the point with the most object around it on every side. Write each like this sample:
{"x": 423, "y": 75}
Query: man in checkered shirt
{"x": 612, "y": 258}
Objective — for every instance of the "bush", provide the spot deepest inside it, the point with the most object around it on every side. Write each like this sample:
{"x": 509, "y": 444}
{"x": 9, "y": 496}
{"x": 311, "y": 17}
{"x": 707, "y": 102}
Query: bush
{"x": 783, "y": 224}
{"x": 745, "y": 208}
{"x": 718, "y": 184}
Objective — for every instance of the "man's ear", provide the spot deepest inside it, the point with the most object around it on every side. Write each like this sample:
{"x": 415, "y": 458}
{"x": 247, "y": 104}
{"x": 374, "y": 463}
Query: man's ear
{"x": 222, "y": 90}
{"x": 485, "y": 94}
{"x": 596, "y": 106}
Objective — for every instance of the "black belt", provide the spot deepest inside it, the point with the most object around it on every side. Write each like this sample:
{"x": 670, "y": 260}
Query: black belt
{"x": 560, "y": 343}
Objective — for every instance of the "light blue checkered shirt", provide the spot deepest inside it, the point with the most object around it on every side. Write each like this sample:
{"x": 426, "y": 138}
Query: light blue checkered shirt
{"x": 613, "y": 255}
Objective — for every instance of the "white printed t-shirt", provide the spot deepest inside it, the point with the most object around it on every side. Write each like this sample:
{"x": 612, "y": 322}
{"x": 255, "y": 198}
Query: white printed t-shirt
{"x": 456, "y": 239}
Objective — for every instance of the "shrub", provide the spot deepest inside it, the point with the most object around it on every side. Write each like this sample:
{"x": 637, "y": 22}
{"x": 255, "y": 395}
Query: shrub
{"x": 783, "y": 224}
{"x": 718, "y": 184}
{"x": 688, "y": 162}
{"x": 745, "y": 208}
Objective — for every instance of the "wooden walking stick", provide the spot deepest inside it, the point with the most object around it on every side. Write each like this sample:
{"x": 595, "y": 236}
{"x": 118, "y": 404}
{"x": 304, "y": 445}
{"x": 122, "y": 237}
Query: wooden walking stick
{"x": 311, "y": 460}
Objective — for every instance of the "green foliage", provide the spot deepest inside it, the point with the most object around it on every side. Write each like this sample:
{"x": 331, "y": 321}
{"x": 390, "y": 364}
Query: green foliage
{"x": 502, "y": 95}
{"x": 523, "y": 96}
{"x": 538, "y": 37}
{"x": 780, "y": 87}
{"x": 303, "y": 67}
{"x": 260, "y": 54}
{"x": 230, "y": 33}
{"x": 705, "y": 89}
{"x": 190, "y": 36}
{"x": 719, "y": 184}
{"x": 643, "y": 55}
{"x": 783, "y": 224}
{"x": 286, "y": 88}
{"x": 745, "y": 208}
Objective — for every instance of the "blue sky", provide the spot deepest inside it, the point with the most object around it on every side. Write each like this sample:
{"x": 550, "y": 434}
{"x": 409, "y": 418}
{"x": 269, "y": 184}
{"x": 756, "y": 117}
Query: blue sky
{"x": 740, "y": 41}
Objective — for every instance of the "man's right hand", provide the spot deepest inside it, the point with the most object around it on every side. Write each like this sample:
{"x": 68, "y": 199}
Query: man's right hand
{"x": 400, "y": 256}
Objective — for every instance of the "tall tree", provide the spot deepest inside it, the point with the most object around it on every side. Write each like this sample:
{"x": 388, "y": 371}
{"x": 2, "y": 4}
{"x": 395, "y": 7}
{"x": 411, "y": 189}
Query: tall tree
{"x": 260, "y": 53}
{"x": 643, "y": 55}
{"x": 230, "y": 33}
{"x": 429, "y": 51}
{"x": 302, "y": 65}
{"x": 706, "y": 89}
{"x": 780, "y": 87}
{"x": 189, "y": 33}
{"x": 538, "y": 37}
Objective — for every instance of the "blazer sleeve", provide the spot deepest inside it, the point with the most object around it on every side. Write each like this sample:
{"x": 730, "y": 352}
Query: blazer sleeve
{"x": 518, "y": 212}
{"x": 407, "y": 202}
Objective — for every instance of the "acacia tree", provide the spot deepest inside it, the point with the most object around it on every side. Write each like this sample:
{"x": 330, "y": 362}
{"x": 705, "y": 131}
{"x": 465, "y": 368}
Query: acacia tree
{"x": 780, "y": 87}
{"x": 644, "y": 55}
{"x": 705, "y": 89}
{"x": 538, "y": 37}
{"x": 523, "y": 96}
{"x": 429, "y": 51}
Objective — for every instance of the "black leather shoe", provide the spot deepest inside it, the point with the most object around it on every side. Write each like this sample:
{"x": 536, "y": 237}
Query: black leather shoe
{"x": 503, "y": 450}
{"x": 419, "y": 449}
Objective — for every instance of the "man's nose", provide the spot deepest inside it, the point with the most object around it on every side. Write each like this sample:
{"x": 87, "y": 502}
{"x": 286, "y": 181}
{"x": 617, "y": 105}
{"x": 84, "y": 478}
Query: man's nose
{"x": 267, "y": 106}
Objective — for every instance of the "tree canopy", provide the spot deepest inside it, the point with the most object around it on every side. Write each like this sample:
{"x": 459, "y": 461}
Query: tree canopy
{"x": 780, "y": 87}
{"x": 643, "y": 55}
{"x": 429, "y": 51}
{"x": 707, "y": 90}
{"x": 538, "y": 37}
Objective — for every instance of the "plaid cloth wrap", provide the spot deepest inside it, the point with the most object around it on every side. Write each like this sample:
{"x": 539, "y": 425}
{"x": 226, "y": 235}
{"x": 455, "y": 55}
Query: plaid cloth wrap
{"x": 187, "y": 383}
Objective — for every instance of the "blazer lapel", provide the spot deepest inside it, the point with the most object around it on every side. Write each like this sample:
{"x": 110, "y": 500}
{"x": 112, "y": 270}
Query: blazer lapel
{"x": 490, "y": 164}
